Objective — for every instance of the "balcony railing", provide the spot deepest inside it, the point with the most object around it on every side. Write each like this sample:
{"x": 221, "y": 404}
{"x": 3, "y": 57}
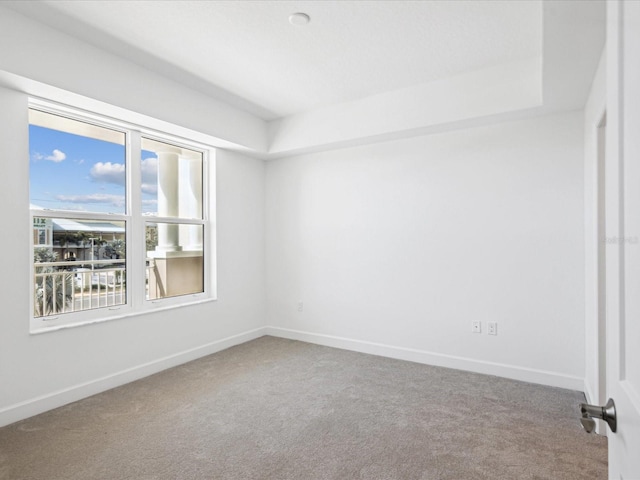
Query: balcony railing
{"x": 67, "y": 287}
{"x": 64, "y": 287}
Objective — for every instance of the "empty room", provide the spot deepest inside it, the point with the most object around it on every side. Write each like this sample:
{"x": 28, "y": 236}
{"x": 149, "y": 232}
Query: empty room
{"x": 320, "y": 239}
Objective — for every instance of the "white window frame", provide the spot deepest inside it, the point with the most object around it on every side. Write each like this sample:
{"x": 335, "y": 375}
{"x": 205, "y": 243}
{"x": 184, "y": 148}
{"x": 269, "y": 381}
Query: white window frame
{"x": 136, "y": 303}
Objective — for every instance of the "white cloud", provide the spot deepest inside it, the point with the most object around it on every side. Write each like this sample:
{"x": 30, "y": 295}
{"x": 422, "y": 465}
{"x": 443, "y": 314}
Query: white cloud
{"x": 149, "y": 188}
{"x": 115, "y": 200}
{"x": 108, "y": 172}
{"x": 150, "y": 171}
{"x": 56, "y": 156}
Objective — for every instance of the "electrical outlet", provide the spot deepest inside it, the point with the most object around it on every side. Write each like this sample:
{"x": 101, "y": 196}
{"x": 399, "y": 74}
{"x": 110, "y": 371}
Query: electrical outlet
{"x": 493, "y": 328}
{"x": 475, "y": 327}
{"x": 300, "y": 306}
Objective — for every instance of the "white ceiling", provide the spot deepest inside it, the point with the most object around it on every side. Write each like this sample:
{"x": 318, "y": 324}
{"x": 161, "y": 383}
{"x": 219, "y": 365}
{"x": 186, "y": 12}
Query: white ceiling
{"x": 361, "y": 71}
{"x": 247, "y": 54}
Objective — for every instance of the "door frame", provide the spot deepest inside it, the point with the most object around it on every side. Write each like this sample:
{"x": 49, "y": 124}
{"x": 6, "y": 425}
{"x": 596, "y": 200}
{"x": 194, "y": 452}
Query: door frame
{"x": 601, "y": 270}
{"x": 595, "y": 241}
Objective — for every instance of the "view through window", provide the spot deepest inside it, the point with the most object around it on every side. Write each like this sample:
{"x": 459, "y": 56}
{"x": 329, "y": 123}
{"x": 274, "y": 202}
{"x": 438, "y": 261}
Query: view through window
{"x": 175, "y": 262}
{"x": 86, "y": 213}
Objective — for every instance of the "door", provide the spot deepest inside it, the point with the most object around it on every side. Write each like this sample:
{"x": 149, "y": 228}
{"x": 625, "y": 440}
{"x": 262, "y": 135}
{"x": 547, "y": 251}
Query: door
{"x": 623, "y": 235}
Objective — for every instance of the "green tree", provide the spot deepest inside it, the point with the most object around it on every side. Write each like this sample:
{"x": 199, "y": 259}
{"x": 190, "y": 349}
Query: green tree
{"x": 44, "y": 255}
{"x": 53, "y": 290}
{"x": 67, "y": 238}
{"x": 151, "y": 237}
{"x": 116, "y": 247}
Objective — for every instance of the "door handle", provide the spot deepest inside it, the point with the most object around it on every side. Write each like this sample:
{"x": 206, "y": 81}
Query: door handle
{"x": 606, "y": 413}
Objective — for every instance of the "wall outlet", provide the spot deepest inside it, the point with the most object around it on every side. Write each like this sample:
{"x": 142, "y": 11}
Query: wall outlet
{"x": 493, "y": 328}
{"x": 300, "y": 306}
{"x": 475, "y": 327}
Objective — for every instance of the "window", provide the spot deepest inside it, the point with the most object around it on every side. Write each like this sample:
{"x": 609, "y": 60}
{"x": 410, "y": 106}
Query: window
{"x": 174, "y": 238}
{"x": 119, "y": 218}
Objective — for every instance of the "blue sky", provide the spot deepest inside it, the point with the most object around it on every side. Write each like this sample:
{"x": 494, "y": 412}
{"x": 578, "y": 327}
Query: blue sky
{"x": 73, "y": 172}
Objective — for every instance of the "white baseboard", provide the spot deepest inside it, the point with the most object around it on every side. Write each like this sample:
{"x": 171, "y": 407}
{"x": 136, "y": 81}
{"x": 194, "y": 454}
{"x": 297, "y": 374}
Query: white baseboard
{"x": 524, "y": 374}
{"x": 34, "y": 406}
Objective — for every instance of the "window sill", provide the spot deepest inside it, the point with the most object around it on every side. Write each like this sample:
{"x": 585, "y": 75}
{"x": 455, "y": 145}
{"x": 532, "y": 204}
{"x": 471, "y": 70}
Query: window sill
{"x": 45, "y": 329}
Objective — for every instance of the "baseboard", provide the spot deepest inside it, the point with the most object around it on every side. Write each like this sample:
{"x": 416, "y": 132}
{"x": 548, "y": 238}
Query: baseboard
{"x": 530, "y": 375}
{"x": 29, "y": 408}
{"x": 35, "y": 406}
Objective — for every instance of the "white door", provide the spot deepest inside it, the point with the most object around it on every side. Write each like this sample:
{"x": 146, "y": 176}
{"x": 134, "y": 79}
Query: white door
{"x": 623, "y": 235}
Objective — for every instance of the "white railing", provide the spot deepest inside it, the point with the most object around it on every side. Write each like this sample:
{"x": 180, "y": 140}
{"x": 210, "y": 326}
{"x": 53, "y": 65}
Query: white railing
{"x": 63, "y": 287}
{"x": 153, "y": 286}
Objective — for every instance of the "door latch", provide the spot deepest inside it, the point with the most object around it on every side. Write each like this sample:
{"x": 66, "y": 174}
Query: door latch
{"x": 606, "y": 413}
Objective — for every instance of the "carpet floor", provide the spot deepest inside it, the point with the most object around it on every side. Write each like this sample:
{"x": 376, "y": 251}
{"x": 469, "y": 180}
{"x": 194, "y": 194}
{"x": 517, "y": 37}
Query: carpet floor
{"x": 281, "y": 409}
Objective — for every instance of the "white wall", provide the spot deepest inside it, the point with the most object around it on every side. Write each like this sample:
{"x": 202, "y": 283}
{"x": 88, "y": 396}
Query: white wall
{"x": 38, "y": 372}
{"x": 594, "y": 333}
{"x": 489, "y": 93}
{"x": 394, "y": 248}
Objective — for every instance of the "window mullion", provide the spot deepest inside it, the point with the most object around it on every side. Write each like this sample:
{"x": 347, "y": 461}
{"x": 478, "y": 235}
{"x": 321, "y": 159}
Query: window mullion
{"x": 209, "y": 215}
{"x": 177, "y": 220}
{"x": 137, "y": 251}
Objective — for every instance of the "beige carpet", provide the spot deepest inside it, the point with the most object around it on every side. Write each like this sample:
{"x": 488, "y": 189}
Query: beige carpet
{"x": 280, "y": 409}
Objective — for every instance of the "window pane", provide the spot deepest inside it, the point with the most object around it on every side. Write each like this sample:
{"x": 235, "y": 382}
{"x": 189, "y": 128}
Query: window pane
{"x": 75, "y": 165}
{"x": 171, "y": 180}
{"x": 81, "y": 268}
{"x": 174, "y": 260}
